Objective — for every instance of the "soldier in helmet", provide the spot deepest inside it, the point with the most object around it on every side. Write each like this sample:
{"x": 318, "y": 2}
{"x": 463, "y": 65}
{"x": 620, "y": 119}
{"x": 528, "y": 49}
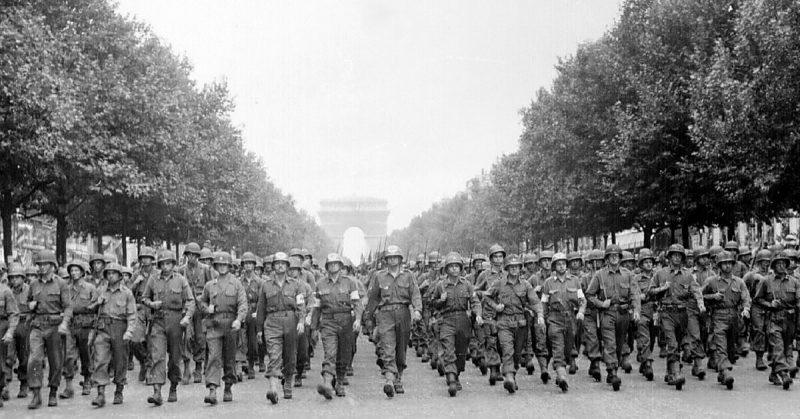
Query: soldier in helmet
{"x": 513, "y": 299}
{"x": 97, "y": 263}
{"x": 434, "y": 341}
{"x": 198, "y": 276}
{"x": 420, "y": 331}
{"x": 537, "y": 337}
{"x": 491, "y": 356}
{"x": 758, "y": 313}
{"x": 84, "y": 309}
{"x": 628, "y": 261}
{"x": 268, "y": 265}
{"x": 739, "y": 268}
{"x": 779, "y": 295}
{"x": 296, "y": 272}
{"x": 338, "y": 307}
{"x": 646, "y": 328}
{"x": 745, "y": 255}
{"x": 591, "y": 318}
{"x": 476, "y": 339}
{"x": 529, "y": 265}
{"x": 224, "y": 306}
{"x": 564, "y": 303}
{"x": 18, "y": 350}
{"x": 252, "y": 285}
{"x": 391, "y": 293}
{"x": 9, "y": 319}
{"x": 50, "y": 303}
{"x": 32, "y": 274}
{"x": 281, "y": 316}
{"x": 170, "y": 297}
{"x": 350, "y": 271}
{"x": 677, "y": 291}
{"x": 702, "y": 271}
{"x": 146, "y": 272}
{"x": 727, "y": 298}
{"x": 575, "y": 268}
{"x": 614, "y": 292}
{"x": 454, "y": 298}
{"x": 116, "y": 321}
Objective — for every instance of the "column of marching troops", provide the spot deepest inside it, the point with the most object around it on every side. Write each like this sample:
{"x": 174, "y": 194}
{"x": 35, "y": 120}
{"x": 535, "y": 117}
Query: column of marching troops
{"x": 503, "y": 312}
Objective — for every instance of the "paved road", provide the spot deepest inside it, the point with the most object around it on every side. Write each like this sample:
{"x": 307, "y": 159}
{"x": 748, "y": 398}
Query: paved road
{"x": 426, "y": 396}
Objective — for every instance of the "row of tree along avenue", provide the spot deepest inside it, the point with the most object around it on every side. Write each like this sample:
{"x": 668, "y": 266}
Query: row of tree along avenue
{"x": 684, "y": 114}
{"x": 104, "y": 131}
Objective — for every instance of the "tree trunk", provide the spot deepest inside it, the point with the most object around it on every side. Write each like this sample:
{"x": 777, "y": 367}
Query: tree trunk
{"x": 613, "y": 238}
{"x": 594, "y": 241}
{"x": 61, "y": 237}
{"x": 6, "y": 211}
{"x": 124, "y": 250}
{"x": 575, "y": 245}
{"x": 100, "y": 216}
{"x": 647, "y": 231}
{"x": 671, "y": 235}
{"x": 605, "y": 240}
{"x": 685, "y": 235}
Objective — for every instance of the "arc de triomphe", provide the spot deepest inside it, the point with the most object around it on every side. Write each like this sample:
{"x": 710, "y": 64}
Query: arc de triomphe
{"x": 368, "y": 214}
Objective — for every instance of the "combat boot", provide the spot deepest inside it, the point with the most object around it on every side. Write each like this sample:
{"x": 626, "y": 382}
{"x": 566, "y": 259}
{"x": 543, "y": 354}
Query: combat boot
{"x": 458, "y": 382}
{"x": 388, "y": 386}
{"x": 298, "y": 380}
{"x": 510, "y": 383}
{"x": 744, "y": 348}
{"x": 227, "y": 393}
{"x": 52, "y": 400}
{"x": 349, "y": 372}
{"x": 187, "y": 374}
{"x": 261, "y": 366}
{"x": 647, "y": 371}
{"x": 4, "y": 394}
{"x": 712, "y": 363}
{"x": 440, "y": 368}
{"x": 594, "y": 370}
{"x": 398, "y": 384}
{"x": 698, "y": 370}
{"x": 433, "y": 363}
{"x": 197, "y": 375}
{"x": 69, "y": 391}
{"x": 625, "y": 364}
{"x": 272, "y": 390}
{"x": 100, "y": 400}
{"x": 118, "y": 394}
{"x": 211, "y": 398}
{"x": 173, "y": 393}
{"x": 155, "y": 398}
{"x": 530, "y": 366}
{"x": 787, "y": 380}
{"x": 760, "y": 364}
{"x": 142, "y": 373}
{"x": 451, "y": 384}
{"x": 23, "y": 390}
{"x": 251, "y": 370}
{"x": 677, "y": 378}
{"x": 325, "y": 389}
{"x": 613, "y": 379}
{"x": 86, "y": 385}
{"x": 287, "y": 388}
{"x": 36, "y": 399}
{"x": 775, "y": 378}
{"x": 573, "y": 366}
{"x": 339, "y": 387}
{"x": 726, "y": 378}
{"x": 425, "y": 358}
{"x": 544, "y": 376}
{"x": 561, "y": 379}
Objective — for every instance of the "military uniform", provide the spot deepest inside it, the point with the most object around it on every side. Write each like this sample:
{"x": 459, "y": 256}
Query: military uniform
{"x": 84, "y": 310}
{"x": 198, "y": 276}
{"x": 591, "y": 320}
{"x": 17, "y": 351}
{"x": 252, "y": 285}
{"x": 487, "y": 334}
{"x": 230, "y": 307}
{"x": 537, "y": 336}
{"x": 9, "y": 319}
{"x": 646, "y": 329}
{"x": 758, "y": 314}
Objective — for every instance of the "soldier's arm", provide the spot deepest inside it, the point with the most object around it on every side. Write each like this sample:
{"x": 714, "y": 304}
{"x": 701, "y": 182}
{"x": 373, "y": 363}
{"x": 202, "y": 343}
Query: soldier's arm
{"x": 492, "y": 293}
{"x": 130, "y": 311}
{"x": 242, "y": 305}
{"x": 416, "y": 298}
{"x": 545, "y": 294}
{"x": 66, "y": 303}
{"x": 355, "y": 300}
{"x": 435, "y": 295}
{"x": 534, "y": 302}
{"x": 474, "y": 302}
{"x": 760, "y": 296}
{"x": 373, "y": 298}
{"x": 12, "y": 311}
{"x": 745, "y": 296}
{"x": 203, "y": 300}
{"x": 592, "y": 290}
{"x": 261, "y": 308}
{"x": 147, "y": 294}
{"x": 188, "y": 298}
{"x": 695, "y": 290}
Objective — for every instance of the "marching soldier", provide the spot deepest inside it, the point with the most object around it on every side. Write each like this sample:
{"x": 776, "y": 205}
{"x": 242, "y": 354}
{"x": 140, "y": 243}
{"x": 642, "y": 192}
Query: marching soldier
{"x": 84, "y": 309}
{"x": 702, "y": 271}
{"x": 224, "y": 304}
{"x": 114, "y": 329}
{"x": 49, "y": 301}
{"x": 512, "y": 299}
{"x": 562, "y": 296}
{"x": 537, "y": 346}
{"x": 198, "y": 276}
{"x": 613, "y": 291}
{"x": 739, "y": 268}
{"x": 97, "y": 264}
{"x": 252, "y": 285}
{"x": 727, "y": 299}
{"x": 420, "y": 331}
{"x": 9, "y": 319}
{"x": 390, "y": 295}
{"x": 454, "y": 298}
{"x": 338, "y": 306}
{"x": 170, "y": 297}
{"x": 677, "y": 290}
{"x": 295, "y": 272}
{"x": 646, "y": 329}
{"x": 18, "y": 350}
{"x": 758, "y": 313}
{"x": 281, "y": 305}
{"x": 575, "y": 267}
{"x": 138, "y": 344}
{"x": 591, "y": 317}
{"x": 779, "y": 295}
{"x": 488, "y": 334}
{"x": 476, "y": 340}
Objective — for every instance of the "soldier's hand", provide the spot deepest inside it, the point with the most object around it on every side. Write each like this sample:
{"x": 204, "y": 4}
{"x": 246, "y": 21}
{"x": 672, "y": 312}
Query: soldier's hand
{"x": 537, "y": 289}
{"x": 185, "y": 322}
{"x": 63, "y": 329}
{"x": 702, "y": 308}
{"x": 417, "y": 316}
{"x": 301, "y": 327}
{"x": 746, "y": 314}
{"x": 128, "y": 336}
{"x": 540, "y": 320}
{"x": 579, "y": 316}
{"x": 210, "y": 309}
{"x": 479, "y": 320}
{"x": 254, "y": 315}
{"x": 260, "y": 336}
{"x": 156, "y": 305}
{"x": 356, "y": 327}
{"x": 443, "y": 297}
{"x": 236, "y": 325}
{"x": 606, "y": 303}
{"x": 32, "y": 305}
{"x": 776, "y": 303}
{"x": 499, "y": 307}
{"x": 8, "y": 338}
{"x": 718, "y": 296}
{"x": 636, "y": 317}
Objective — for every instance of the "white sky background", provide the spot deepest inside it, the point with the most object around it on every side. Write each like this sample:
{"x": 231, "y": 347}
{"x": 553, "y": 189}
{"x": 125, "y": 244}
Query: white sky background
{"x": 402, "y": 100}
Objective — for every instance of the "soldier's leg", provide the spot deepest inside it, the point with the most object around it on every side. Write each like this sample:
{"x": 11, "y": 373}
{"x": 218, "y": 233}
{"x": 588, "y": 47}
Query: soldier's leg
{"x": 55, "y": 356}
{"x": 36, "y": 358}
{"x": 214, "y": 364}
{"x": 591, "y": 336}
{"x": 789, "y": 328}
{"x": 609, "y": 335}
{"x": 119, "y": 353}
{"x": 402, "y": 331}
{"x": 505, "y": 338}
{"x": 556, "y": 333}
{"x": 301, "y": 352}
{"x": 447, "y": 333}
{"x": 4, "y": 375}
{"x": 228, "y": 355}
{"x": 670, "y": 322}
{"x": 643, "y": 349}
{"x": 344, "y": 351}
{"x": 174, "y": 349}
{"x": 695, "y": 330}
{"x": 719, "y": 341}
{"x": 776, "y": 345}
{"x": 157, "y": 353}
{"x": 252, "y": 342}
{"x": 71, "y": 354}
{"x": 330, "y": 344}
{"x": 623, "y": 327}
{"x": 199, "y": 341}
{"x": 490, "y": 342}
{"x": 102, "y": 358}
{"x": 82, "y": 341}
{"x": 273, "y": 334}
{"x": 290, "y": 348}
{"x": 463, "y": 331}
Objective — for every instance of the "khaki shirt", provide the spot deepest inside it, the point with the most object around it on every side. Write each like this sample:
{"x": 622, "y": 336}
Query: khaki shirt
{"x": 52, "y": 297}
{"x": 173, "y": 291}
{"x": 227, "y": 295}
{"x": 119, "y": 304}
{"x": 8, "y": 309}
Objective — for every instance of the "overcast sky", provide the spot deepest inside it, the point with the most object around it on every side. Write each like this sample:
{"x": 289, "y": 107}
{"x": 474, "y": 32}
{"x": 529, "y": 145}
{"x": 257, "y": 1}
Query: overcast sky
{"x": 402, "y": 100}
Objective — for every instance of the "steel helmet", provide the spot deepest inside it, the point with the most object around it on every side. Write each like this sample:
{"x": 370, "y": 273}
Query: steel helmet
{"x": 453, "y": 258}
{"x": 529, "y": 258}
{"x": 791, "y": 253}
{"x": 496, "y": 248}
{"x": 676, "y": 248}
{"x": 546, "y": 254}
{"x": 557, "y": 257}
{"x": 236, "y": 262}
{"x": 421, "y": 258}
{"x": 192, "y": 249}
{"x": 433, "y": 257}
{"x": 306, "y": 265}
{"x": 596, "y": 254}
{"x": 206, "y": 254}
{"x": 268, "y": 260}
{"x": 147, "y": 252}
{"x": 306, "y": 253}
{"x": 280, "y": 257}
{"x": 479, "y": 256}
{"x": 222, "y": 258}
{"x": 334, "y": 258}
{"x": 165, "y": 255}
{"x": 259, "y": 262}
{"x": 127, "y": 270}
{"x": 732, "y": 246}
{"x": 347, "y": 262}
{"x": 393, "y": 250}
{"x": 627, "y": 256}
{"x": 248, "y": 257}
{"x": 779, "y": 256}
{"x": 62, "y": 273}
{"x": 80, "y": 264}
{"x": 700, "y": 252}
{"x": 744, "y": 251}
{"x": 46, "y": 256}
{"x": 714, "y": 251}
{"x": 112, "y": 267}
{"x": 644, "y": 254}
{"x": 763, "y": 255}
{"x": 32, "y": 270}
{"x": 613, "y": 249}
{"x": 725, "y": 256}
{"x": 574, "y": 256}
{"x": 295, "y": 263}
{"x": 296, "y": 252}
{"x": 512, "y": 260}
{"x": 16, "y": 270}
{"x": 97, "y": 256}
{"x": 776, "y": 248}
